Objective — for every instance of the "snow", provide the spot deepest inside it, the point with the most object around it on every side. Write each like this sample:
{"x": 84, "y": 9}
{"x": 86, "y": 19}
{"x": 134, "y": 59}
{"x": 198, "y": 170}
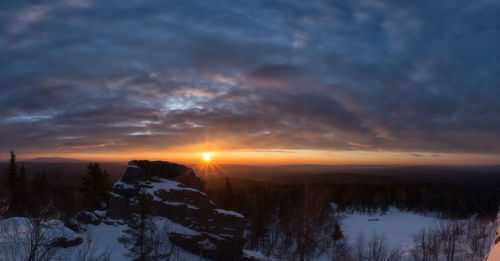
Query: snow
{"x": 7, "y": 226}
{"x": 15, "y": 235}
{"x": 162, "y": 184}
{"x": 166, "y": 185}
{"x": 206, "y": 244}
{"x": 123, "y": 185}
{"x": 159, "y": 184}
{"x": 101, "y": 213}
{"x": 132, "y": 165}
{"x": 104, "y": 237}
{"x": 252, "y": 254}
{"x": 229, "y": 212}
{"x": 398, "y": 227}
{"x": 17, "y": 226}
{"x": 180, "y": 204}
{"x": 107, "y": 238}
{"x": 495, "y": 248}
{"x": 108, "y": 235}
{"x": 175, "y": 227}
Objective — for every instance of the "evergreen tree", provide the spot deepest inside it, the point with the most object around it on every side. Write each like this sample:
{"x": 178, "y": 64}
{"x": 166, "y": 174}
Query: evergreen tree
{"x": 14, "y": 185}
{"x": 22, "y": 192}
{"x": 12, "y": 180}
{"x": 95, "y": 187}
{"x": 145, "y": 238}
{"x": 39, "y": 193}
{"x": 228, "y": 200}
{"x": 140, "y": 229}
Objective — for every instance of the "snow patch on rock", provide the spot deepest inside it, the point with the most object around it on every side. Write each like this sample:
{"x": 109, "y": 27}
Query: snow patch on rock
{"x": 132, "y": 165}
{"x": 166, "y": 185}
{"x": 123, "y": 185}
{"x": 229, "y": 213}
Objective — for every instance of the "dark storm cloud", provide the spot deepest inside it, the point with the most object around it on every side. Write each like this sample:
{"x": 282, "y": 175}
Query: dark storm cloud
{"x": 86, "y": 75}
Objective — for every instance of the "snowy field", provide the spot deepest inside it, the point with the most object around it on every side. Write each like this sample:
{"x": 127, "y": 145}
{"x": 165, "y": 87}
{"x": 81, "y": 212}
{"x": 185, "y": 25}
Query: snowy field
{"x": 108, "y": 235}
{"x": 103, "y": 237}
{"x": 398, "y": 227}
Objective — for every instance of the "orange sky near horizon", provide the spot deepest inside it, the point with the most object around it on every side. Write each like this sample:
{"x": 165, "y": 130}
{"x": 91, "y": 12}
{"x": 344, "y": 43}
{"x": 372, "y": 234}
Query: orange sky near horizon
{"x": 282, "y": 157}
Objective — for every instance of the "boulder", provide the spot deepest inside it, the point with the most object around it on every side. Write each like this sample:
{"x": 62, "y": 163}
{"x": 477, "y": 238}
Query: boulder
{"x": 142, "y": 170}
{"x": 174, "y": 193}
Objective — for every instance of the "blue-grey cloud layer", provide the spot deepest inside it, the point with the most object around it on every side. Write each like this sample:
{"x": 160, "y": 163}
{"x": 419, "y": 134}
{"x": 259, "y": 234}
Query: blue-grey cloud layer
{"x": 346, "y": 75}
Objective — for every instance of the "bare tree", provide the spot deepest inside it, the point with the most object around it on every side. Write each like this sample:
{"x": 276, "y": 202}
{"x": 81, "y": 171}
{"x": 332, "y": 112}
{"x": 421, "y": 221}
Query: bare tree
{"x": 340, "y": 248}
{"x": 394, "y": 254}
{"x": 420, "y": 251}
{"x": 477, "y": 239}
{"x": 90, "y": 250}
{"x": 161, "y": 247}
{"x": 359, "y": 248}
{"x": 342, "y": 251}
{"x": 434, "y": 244}
{"x": 29, "y": 239}
{"x": 305, "y": 233}
{"x": 374, "y": 249}
{"x": 427, "y": 245}
{"x": 450, "y": 232}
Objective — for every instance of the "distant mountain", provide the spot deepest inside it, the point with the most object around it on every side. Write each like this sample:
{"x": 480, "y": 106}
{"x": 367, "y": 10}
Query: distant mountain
{"x": 56, "y": 160}
{"x": 64, "y": 171}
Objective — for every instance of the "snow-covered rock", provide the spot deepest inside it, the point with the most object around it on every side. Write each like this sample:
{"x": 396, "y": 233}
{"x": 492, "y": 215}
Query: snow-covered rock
{"x": 44, "y": 239}
{"x": 174, "y": 191}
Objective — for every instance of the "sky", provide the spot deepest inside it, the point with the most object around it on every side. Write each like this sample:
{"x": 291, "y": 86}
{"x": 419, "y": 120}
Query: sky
{"x": 327, "y": 82}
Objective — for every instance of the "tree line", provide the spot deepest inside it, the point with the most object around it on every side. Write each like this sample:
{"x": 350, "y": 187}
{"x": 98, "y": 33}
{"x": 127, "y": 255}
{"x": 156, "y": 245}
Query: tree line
{"x": 297, "y": 222}
{"x": 40, "y": 201}
{"x": 38, "y": 196}
{"x": 289, "y": 221}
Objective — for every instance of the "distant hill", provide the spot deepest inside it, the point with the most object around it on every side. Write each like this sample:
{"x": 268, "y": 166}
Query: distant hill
{"x": 65, "y": 172}
{"x": 487, "y": 176}
{"x": 55, "y": 160}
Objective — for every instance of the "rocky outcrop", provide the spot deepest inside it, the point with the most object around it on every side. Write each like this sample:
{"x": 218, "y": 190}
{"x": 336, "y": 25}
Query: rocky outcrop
{"x": 175, "y": 194}
{"x": 143, "y": 170}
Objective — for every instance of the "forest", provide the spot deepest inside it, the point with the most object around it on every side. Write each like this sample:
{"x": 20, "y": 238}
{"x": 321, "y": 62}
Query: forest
{"x": 296, "y": 221}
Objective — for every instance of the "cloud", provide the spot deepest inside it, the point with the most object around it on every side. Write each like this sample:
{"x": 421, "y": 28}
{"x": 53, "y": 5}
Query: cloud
{"x": 267, "y": 75}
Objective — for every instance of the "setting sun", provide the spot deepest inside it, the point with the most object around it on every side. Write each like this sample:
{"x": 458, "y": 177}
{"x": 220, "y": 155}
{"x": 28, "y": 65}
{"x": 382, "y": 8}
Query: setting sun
{"x": 207, "y": 156}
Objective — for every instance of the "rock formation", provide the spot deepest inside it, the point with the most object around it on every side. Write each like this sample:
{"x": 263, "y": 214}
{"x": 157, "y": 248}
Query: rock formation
{"x": 174, "y": 191}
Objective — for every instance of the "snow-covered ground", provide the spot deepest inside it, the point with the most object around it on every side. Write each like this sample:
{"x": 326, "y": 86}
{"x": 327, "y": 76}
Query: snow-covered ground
{"x": 104, "y": 237}
{"x": 107, "y": 237}
{"x": 398, "y": 227}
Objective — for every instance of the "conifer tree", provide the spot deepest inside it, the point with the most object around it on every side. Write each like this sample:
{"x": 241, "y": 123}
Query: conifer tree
{"x": 22, "y": 192}
{"x": 12, "y": 179}
{"x": 39, "y": 193}
{"x": 95, "y": 187}
{"x": 13, "y": 184}
{"x": 140, "y": 228}
{"x": 228, "y": 200}
{"x": 146, "y": 238}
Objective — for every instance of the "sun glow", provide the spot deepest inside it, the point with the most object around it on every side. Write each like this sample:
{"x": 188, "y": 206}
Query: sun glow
{"x": 207, "y": 157}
